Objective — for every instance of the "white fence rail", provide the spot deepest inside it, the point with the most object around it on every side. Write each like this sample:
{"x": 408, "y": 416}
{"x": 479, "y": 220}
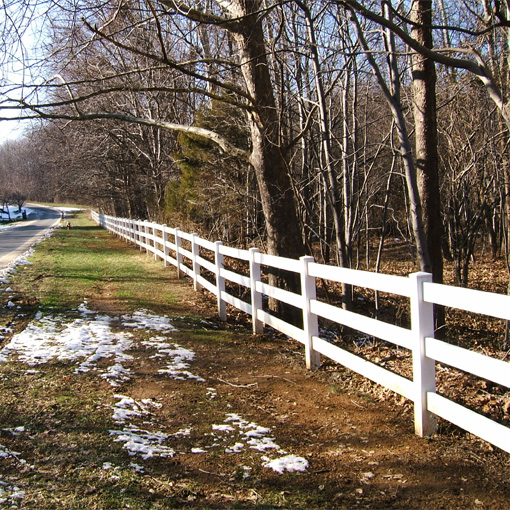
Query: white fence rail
{"x": 167, "y": 244}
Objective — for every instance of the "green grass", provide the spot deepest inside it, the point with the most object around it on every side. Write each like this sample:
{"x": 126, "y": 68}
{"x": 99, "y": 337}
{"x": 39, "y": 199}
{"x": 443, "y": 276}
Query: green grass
{"x": 87, "y": 263}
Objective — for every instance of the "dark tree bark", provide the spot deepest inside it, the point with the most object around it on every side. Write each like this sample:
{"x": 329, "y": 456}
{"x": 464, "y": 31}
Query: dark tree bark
{"x": 284, "y": 235}
{"x": 427, "y": 159}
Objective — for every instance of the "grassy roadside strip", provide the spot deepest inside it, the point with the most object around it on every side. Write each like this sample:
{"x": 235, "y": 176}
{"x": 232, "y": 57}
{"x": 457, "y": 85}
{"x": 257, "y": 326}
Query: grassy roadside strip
{"x": 56, "y": 421}
{"x": 86, "y": 263}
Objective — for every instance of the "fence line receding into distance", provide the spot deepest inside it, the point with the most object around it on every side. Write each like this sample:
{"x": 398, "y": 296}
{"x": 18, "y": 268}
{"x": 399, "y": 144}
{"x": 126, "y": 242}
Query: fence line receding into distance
{"x": 167, "y": 244}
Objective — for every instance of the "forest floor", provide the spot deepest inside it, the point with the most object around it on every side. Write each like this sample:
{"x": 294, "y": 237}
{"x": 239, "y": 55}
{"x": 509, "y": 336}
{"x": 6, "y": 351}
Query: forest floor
{"x": 121, "y": 389}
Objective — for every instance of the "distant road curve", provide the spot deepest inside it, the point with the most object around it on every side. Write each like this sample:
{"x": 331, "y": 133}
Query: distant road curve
{"x": 17, "y": 240}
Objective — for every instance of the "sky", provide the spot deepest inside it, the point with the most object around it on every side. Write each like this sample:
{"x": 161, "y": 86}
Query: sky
{"x": 20, "y": 50}
{"x": 10, "y": 130}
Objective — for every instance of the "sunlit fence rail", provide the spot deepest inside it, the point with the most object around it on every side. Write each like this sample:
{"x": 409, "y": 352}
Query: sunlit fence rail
{"x": 197, "y": 257}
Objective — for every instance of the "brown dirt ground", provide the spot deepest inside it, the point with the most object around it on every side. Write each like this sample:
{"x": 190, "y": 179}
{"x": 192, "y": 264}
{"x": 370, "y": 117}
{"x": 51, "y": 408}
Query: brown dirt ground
{"x": 358, "y": 438}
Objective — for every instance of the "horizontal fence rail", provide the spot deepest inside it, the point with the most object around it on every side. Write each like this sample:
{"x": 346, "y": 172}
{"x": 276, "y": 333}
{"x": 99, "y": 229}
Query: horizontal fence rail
{"x": 203, "y": 262}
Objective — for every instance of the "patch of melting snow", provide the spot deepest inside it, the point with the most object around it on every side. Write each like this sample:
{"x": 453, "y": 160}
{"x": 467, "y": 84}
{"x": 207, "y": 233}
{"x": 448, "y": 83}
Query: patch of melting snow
{"x": 137, "y": 467}
{"x": 54, "y": 338}
{"x": 258, "y": 438}
{"x": 138, "y": 441}
{"x": 143, "y": 319}
{"x": 10, "y": 494}
{"x": 16, "y": 431}
{"x": 235, "y": 449}
{"x": 142, "y": 442}
{"x": 223, "y": 428}
{"x": 91, "y": 337}
{"x": 180, "y": 358}
{"x": 251, "y": 434}
{"x": 5, "y": 453}
{"x": 128, "y": 408}
{"x": 288, "y": 463}
{"x": 182, "y": 432}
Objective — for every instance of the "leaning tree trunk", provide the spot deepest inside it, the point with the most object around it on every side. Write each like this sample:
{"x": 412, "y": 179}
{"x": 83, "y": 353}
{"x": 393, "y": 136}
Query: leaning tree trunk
{"x": 284, "y": 236}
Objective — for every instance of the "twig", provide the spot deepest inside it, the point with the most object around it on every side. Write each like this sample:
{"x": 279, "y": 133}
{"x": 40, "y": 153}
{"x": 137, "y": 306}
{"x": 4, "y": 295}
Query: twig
{"x": 220, "y": 475}
{"x": 237, "y": 385}
{"x": 356, "y": 404}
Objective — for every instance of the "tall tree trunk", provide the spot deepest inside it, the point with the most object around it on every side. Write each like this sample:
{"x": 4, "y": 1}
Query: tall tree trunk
{"x": 267, "y": 157}
{"x": 427, "y": 159}
{"x": 284, "y": 236}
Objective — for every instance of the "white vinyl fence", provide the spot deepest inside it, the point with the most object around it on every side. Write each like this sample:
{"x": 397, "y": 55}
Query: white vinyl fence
{"x": 167, "y": 244}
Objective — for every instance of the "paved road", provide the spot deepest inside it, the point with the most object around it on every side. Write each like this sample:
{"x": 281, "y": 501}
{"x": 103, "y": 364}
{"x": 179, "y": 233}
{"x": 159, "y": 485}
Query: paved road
{"x": 17, "y": 240}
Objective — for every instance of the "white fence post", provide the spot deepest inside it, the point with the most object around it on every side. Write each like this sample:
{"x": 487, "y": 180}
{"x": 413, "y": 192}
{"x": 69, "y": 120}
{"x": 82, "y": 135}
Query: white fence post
{"x": 256, "y": 296}
{"x": 310, "y": 320}
{"x": 136, "y": 239}
{"x": 220, "y": 281}
{"x": 424, "y": 369}
{"x": 146, "y": 230}
{"x": 141, "y": 234}
{"x": 155, "y": 242}
{"x": 165, "y": 244}
{"x": 178, "y": 255}
{"x": 195, "y": 252}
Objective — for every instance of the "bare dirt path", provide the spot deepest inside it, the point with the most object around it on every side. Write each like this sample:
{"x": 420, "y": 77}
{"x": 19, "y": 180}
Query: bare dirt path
{"x": 361, "y": 452}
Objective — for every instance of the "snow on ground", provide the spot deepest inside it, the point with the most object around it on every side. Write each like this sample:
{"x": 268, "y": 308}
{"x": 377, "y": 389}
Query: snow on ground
{"x": 144, "y": 319}
{"x": 100, "y": 344}
{"x": 243, "y": 433}
{"x": 142, "y": 442}
{"x": 10, "y": 494}
{"x": 180, "y": 356}
{"x": 69, "y": 209}
{"x": 15, "y": 215}
{"x": 129, "y": 407}
{"x": 92, "y": 337}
